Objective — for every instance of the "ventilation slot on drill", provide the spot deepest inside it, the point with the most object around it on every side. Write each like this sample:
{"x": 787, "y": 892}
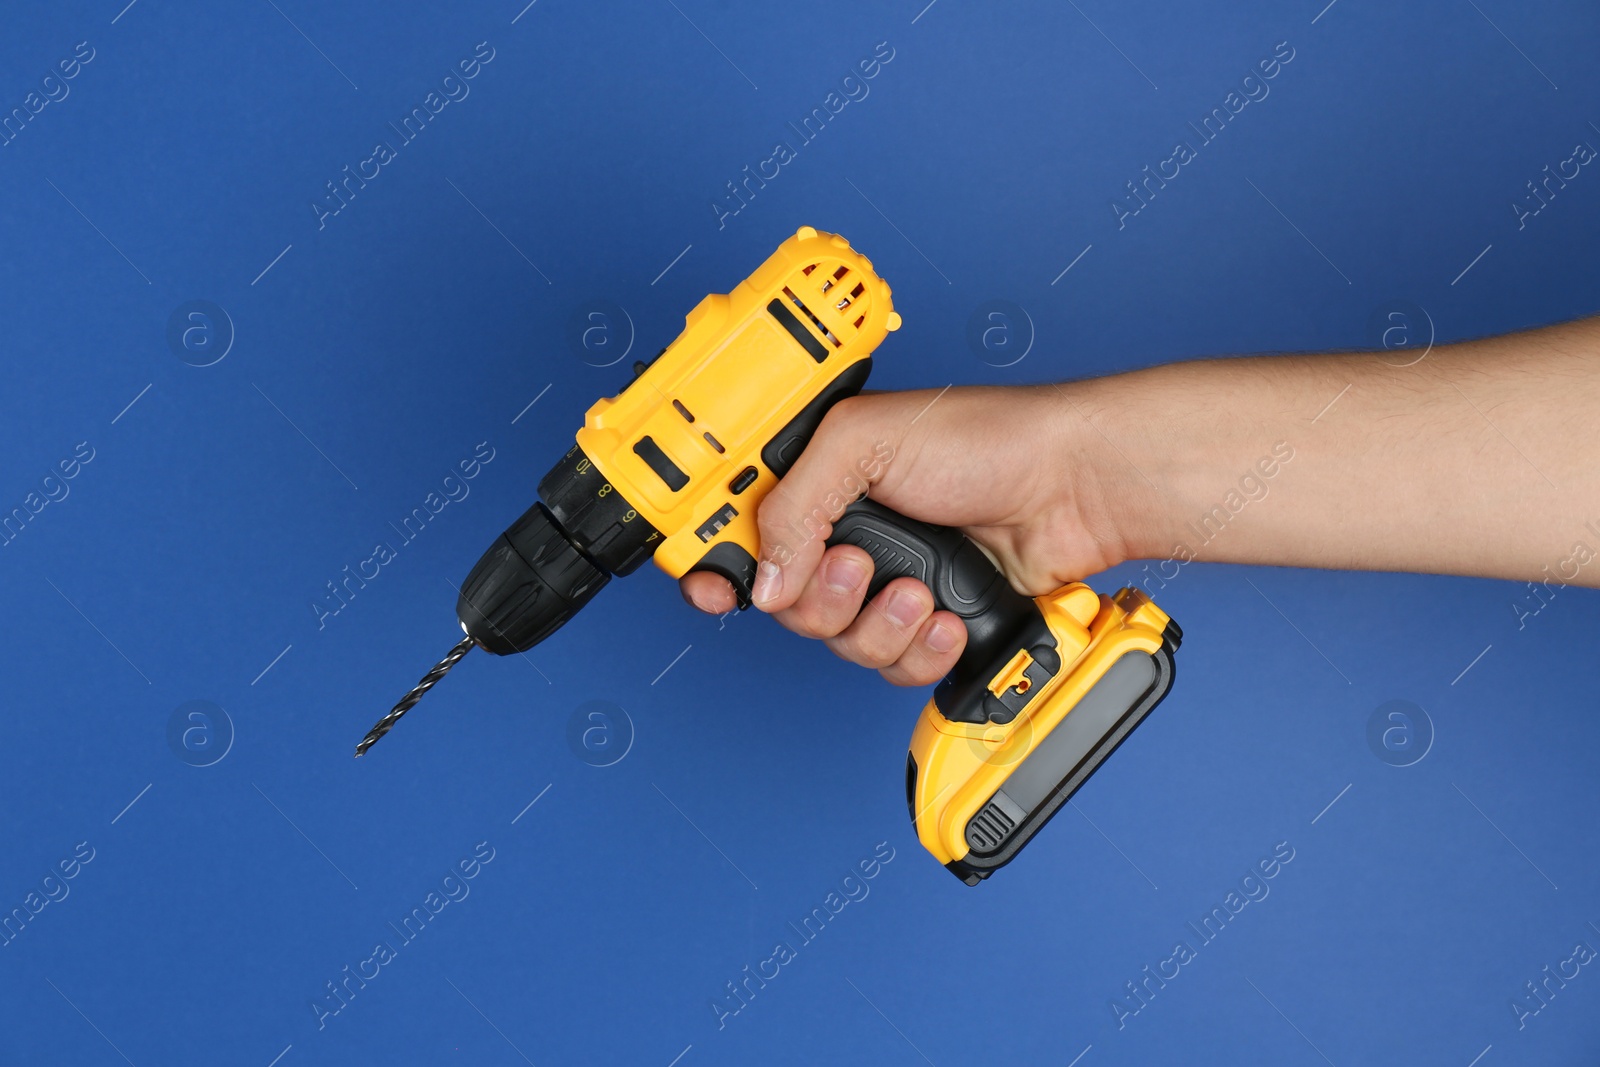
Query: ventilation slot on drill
{"x": 823, "y": 330}
{"x": 793, "y": 326}
{"x": 989, "y": 828}
{"x": 846, "y": 301}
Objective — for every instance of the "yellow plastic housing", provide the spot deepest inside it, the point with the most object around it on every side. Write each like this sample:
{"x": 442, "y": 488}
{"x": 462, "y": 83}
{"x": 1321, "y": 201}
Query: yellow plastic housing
{"x": 961, "y": 765}
{"x": 729, "y": 383}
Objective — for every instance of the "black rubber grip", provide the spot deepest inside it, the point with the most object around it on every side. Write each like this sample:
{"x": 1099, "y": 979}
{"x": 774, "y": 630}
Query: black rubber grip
{"x": 999, "y": 619}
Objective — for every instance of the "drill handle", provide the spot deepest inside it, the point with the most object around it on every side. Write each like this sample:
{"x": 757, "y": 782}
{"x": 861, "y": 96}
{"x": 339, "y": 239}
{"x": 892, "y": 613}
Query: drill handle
{"x": 962, "y": 580}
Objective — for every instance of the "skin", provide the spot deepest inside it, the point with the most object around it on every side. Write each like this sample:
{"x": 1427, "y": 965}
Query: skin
{"x": 1480, "y": 459}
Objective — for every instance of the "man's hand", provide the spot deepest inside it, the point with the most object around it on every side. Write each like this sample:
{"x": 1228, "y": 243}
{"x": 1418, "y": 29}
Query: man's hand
{"x": 1001, "y": 464}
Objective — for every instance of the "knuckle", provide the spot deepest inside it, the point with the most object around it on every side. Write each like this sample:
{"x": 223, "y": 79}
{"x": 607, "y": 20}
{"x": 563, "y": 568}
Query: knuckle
{"x": 773, "y": 530}
{"x": 782, "y": 533}
{"x": 870, "y": 645}
{"x": 795, "y": 621}
{"x": 922, "y": 665}
{"x": 886, "y": 649}
{"x": 840, "y": 416}
{"x": 901, "y": 674}
{"x": 816, "y": 619}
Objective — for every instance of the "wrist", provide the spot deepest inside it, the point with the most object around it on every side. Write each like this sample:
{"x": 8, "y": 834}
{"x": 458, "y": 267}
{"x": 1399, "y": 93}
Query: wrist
{"x": 1104, "y": 443}
{"x": 1111, "y": 441}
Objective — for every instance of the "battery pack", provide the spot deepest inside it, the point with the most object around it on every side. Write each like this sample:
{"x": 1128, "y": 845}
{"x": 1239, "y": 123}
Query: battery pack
{"x": 1061, "y": 762}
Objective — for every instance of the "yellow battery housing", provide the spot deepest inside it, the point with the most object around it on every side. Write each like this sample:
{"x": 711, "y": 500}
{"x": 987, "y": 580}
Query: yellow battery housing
{"x": 957, "y": 770}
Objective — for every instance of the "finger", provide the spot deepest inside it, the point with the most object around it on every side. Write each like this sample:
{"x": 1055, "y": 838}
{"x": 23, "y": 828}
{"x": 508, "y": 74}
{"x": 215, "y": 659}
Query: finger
{"x": 931, "y": 654}
{"x": 832, "y": 596}
{"x": 842, "y": 459}
{"x": 709, "y": 592}
{"x": 886, "y": 627}
{"x": 776, "y": 587}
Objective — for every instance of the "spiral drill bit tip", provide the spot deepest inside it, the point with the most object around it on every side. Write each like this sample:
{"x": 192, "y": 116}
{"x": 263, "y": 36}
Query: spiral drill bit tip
{"x": 409, "y": 701}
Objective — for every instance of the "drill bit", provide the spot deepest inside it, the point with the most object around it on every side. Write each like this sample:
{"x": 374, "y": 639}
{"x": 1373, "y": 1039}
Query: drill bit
{"x": 409, "y": 701}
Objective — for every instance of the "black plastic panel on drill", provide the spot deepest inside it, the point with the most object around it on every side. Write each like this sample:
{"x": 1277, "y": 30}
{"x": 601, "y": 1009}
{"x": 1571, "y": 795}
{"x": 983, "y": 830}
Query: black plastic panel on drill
{"x": 999, "y": 620}
{"x": 806, "y": 339}
{"x": 1037, "y": 787}
{"x": 529, "y": 582}
{"x": 786, "y": 445}
{"x": 603, "y": 526}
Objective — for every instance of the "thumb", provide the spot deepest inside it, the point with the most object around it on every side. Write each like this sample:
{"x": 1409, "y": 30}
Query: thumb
{"x": 850, "y": 452}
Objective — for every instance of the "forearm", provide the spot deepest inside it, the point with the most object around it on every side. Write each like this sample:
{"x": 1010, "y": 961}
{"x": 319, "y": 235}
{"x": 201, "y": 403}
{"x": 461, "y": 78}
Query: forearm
{"x": 1483, "y": 458}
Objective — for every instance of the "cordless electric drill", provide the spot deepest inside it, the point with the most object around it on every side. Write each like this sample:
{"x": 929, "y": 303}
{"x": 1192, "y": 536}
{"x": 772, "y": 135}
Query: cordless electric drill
{"x": 675, "y": 466}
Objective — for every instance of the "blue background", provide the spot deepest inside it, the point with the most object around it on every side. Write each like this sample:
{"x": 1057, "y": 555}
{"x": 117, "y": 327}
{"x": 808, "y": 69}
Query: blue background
{"x": 423, "y": 319}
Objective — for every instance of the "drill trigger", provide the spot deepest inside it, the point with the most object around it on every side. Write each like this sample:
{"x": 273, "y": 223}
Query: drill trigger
{"x": 734, "y": 563}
